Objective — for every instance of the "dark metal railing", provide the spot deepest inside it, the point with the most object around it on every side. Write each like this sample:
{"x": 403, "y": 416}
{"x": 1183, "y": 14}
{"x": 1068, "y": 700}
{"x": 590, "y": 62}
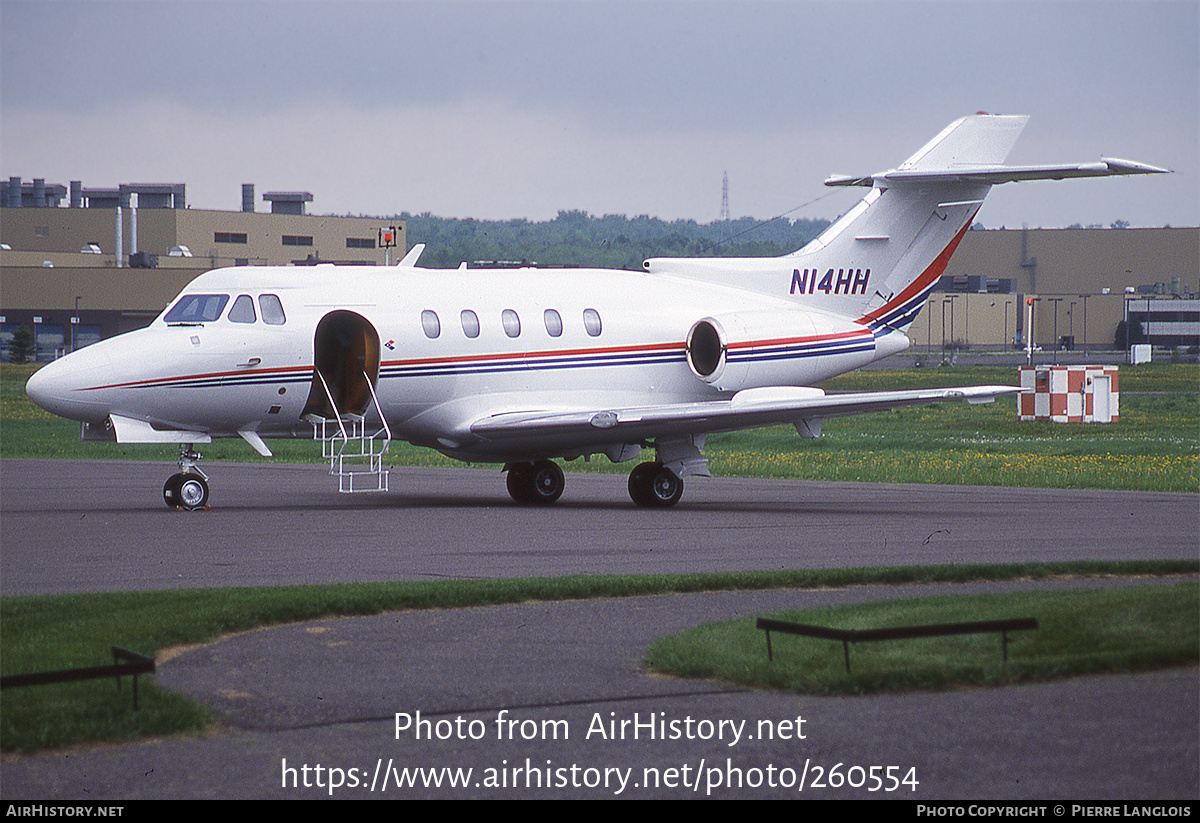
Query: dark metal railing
{"x": 848, "y": 636}
{"x": 125, "y": 662}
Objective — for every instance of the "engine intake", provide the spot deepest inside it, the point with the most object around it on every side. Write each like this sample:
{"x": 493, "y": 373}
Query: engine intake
{"x": 706, "y": 349}
{"x": 775, "y": 348}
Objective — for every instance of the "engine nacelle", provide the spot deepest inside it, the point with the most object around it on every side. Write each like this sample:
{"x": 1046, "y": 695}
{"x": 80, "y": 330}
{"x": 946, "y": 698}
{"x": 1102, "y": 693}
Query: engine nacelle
{"x": 745, "y": 350}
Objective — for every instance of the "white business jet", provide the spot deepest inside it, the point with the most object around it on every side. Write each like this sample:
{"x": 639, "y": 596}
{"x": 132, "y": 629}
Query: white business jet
{"x": 523, "y": 366}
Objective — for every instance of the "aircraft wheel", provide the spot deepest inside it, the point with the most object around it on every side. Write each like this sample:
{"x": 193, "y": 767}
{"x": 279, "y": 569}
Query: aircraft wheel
{"x": 171, "y": 490}
{"x": 535, "y": 484}
{"x": 193, "y": 492}
{"x": 546, "y": 482}
{"x": 539, "y": 483}
{"x": 654, "y": 486}
{"x": 520, "y": 482}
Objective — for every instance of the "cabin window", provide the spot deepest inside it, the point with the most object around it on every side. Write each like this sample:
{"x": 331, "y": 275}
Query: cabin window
{"x": 197, "y": 308}
{"x": 242, "y": 310}
{"x": 431, "y": 324}
{"x": 272, "y": 310}
{"x": 553, "y": 323}
{"x": 511, "y": 323}
{"x": 591, "y": 322}
{"x": 470, "y": 323}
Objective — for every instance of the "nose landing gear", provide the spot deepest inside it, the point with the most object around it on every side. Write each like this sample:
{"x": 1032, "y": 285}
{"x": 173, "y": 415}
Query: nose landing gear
{"x": 188, "y": 489}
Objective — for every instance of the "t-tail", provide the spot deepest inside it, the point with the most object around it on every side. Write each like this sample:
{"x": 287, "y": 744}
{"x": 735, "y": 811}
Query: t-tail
{"x": 879, "y": 261}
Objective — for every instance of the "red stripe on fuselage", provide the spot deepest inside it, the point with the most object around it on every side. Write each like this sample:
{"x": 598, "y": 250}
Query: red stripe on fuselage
{"x": 486, "y": 358}
{"x": 791, "y": 341}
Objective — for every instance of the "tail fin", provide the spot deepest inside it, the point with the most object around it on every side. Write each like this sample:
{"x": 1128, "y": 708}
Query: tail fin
{"x": 902, "y": 234}
{"x": 878, "y": 262}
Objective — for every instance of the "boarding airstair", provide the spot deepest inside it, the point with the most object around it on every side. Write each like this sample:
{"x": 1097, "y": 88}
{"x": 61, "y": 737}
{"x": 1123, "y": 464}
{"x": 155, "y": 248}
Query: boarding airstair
{"x": 353, "y": 448}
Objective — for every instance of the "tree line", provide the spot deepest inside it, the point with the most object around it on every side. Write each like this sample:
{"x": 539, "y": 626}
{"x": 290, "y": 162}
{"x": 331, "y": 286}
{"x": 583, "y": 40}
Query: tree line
{"x": 576, "y": 238}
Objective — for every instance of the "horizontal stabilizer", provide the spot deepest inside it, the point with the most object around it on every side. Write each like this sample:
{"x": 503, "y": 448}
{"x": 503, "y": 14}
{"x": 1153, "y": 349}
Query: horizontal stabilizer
{"x": 991, "y": 175}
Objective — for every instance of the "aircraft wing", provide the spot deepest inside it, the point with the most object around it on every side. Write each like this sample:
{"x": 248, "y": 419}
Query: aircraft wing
{"x": 750, "y": 408}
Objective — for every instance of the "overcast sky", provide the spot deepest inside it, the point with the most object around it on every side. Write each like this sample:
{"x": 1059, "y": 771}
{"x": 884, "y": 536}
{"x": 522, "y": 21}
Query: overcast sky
{"x": 496, "y": 109}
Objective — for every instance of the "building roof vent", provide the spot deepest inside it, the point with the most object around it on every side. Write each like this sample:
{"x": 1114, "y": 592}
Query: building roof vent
{"x": 38, "y": 194}
{"x": 156, "y": 195}
{"x": 288, "y": 202}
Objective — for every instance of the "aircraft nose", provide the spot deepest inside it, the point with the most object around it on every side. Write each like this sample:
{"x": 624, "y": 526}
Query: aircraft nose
{"x": 61, "y": 387}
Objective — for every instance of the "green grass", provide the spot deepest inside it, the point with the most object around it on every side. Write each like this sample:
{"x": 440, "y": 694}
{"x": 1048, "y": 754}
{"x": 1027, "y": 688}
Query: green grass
{"x": 65, "y": 631}
{"x": 1155, "y": 446}
{"x": 1085, "y": 631}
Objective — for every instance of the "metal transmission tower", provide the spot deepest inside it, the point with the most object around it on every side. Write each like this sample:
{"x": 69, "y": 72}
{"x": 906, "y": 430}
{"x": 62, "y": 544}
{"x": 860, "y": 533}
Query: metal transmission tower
{"x": 724, "y": 197}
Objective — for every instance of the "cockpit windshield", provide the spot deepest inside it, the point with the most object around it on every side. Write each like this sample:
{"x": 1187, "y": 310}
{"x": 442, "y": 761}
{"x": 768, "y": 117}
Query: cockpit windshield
{"x": 197, "y": 308}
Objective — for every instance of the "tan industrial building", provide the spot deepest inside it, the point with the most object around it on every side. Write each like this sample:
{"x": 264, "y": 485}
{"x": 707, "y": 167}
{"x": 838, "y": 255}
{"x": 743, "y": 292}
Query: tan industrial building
{"x": 1082, "y": 283}
{"x": 113, "y": 260}
{"x": 111, "y": 263}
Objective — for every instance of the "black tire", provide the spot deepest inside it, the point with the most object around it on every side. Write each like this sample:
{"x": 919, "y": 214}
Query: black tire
{"x": 539, "y": 483}
{"x": 520, "y": 483}
{"x": 652, "y": 485}
{"x": 171, "y": 490}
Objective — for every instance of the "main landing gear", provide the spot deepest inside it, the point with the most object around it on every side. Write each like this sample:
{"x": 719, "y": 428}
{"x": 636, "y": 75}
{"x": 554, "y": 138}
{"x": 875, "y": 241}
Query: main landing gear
{"x": 188, "y": 489}
{"x": 651, "y": 485}
{"x": 539, "y": 483}
{"x": 654, "y": 486}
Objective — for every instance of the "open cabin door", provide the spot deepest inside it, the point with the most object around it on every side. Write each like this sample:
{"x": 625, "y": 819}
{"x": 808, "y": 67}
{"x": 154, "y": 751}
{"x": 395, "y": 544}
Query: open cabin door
{"x": 345, "y": 372}
{"x": 345, "y": 367}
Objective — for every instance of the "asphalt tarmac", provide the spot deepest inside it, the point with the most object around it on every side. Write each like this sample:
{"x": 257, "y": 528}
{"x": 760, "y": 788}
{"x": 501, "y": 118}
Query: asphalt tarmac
{"x": 549, "y": 700}
{"x": 102, "y": 526}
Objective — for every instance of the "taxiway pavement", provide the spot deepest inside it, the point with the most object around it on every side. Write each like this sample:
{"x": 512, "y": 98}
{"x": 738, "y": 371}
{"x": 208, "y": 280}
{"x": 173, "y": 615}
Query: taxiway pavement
{"x": 304, "y": 705}
{"x": 102, "y": 526}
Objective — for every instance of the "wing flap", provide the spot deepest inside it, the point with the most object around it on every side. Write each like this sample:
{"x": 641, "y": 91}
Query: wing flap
{"x": 750, "y": 408}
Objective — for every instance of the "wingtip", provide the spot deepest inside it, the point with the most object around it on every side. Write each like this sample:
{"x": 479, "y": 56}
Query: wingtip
{"x": 1118, "y": 166}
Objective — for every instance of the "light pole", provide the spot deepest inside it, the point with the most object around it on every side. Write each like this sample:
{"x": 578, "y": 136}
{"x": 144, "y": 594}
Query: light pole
{"x": 1029, "y": 301}
{"x": 75, "y": 326}
{"x": 1085, "y": 297}
{"x": 1006, "y": 305}
{"x": 1055, "y": 301}
{"x": 945, "y": 301}
{"x": 929, "y": 325}
{"x": 952, "y": 324}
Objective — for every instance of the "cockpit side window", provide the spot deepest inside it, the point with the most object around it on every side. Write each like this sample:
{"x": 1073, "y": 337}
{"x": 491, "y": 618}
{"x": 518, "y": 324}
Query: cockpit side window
{"x": 197, "y": 308}
{"x": 272, "y": 310}
{"x": 242, "y": 310}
